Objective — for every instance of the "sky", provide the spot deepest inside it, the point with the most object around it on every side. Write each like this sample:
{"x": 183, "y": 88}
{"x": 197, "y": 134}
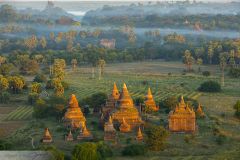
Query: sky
{"x": 223, "y": 1}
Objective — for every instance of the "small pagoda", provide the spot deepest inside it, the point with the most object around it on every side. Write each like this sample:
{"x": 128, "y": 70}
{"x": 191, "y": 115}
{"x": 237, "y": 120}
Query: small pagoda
{"x": 124, "y": 127}
{"x": 84, "y": 134}
{"x": 74, "y": 117}
{"x": 111, "y": 101}
{"x": 47, "y": 138}
{"x": 182, "y": 118}
{"x": 199, "y": 112}
{"x": 149, "y": 101}
{"x": 139, "y": 136}
{"x": 69, "y": 137}
{"x": 109, "y": 131}
{"x": 126, "y": 110}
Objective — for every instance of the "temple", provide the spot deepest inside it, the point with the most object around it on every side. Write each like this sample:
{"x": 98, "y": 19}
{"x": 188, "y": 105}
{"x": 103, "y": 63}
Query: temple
{"x": 111, "y": 101}
{"x": 182, "y": 118}
{"x": 124, "y": 127}
{"x": 149, "y": 102}
{"x": 69, "y": 137}
{"x": 109, "y": 131}
{"x": 199, "y": 112}
{"x": 126, "y": 110}
{"x": 47, "y": 138}
{"x": 139, "y": 136}
{"x": 84, "y": 134}
{"x": 74, "y": 117}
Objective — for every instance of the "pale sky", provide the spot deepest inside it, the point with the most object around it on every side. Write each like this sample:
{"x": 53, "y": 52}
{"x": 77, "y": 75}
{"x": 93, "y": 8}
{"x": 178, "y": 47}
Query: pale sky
{"x": 122, "y": 0}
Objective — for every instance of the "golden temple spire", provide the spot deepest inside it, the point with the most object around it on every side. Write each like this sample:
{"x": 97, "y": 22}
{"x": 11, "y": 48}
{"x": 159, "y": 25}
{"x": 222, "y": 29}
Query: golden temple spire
{"x": 125, "y": 99}
{"x": 139, "y": 136}
{"x": 115, "y": 92}
{"x": 182, "y": 102}
{"x": 47, "y": 138}
{"x": 149, "y": 95}
{"x": 73, "y": 102}
{"x": 199, "y": 111}
{"x": 124, "y": 127}
{"x": 110, "y": 120}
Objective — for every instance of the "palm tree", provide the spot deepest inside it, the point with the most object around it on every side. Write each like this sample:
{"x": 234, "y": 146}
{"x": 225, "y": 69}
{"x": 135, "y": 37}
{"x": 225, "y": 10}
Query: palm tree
{"x": 223, "y": 64}
{"x": 101, "y": 65}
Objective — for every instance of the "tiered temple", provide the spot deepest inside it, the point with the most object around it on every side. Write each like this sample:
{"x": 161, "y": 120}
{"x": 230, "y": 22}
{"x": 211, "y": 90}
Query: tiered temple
{"x": 126, "y": 110}
{"x": 109, "y": 131}
{"x": 111, "y": 101}
{"x": 74, "y": 117}
{"x": 182, "y": 118}
{"x": 199, "y": 111}
{"x": 69, "y": 137}
{"x": 139, "y": 136}
{"x": 149, "y": 101}
{"x": 47, "y": 138}
{"x": 124, "y": 127}
{"x": 84, "y": 134}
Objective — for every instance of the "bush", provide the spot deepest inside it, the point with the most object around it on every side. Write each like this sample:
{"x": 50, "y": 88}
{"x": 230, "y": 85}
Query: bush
{"x": 4, "y": 145}
{"x": 134, "y": 150}
{"x": 40, "y": 78}
{"x": 169, "y": 103}
{"x": 32, "y": 98}
{"x": 210, "y": 86}
{"x": 86, "y": 151}
{"x": 234, "y": 72}
{"x": 4, "y": 97}
{"x": 221, "y": 138}
{"x": 65, "y": 85}
{"x": 206, "y": 73}
{"x": 237, "y": 109}
{"x": 104, "y": 150}
{"x": 50, "y": 84}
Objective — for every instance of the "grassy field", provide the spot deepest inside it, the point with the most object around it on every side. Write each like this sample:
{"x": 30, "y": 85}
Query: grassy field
{"x": 138, "y": 77}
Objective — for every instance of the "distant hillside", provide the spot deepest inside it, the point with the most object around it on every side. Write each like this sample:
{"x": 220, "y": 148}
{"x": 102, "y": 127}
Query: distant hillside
{"x": 50, "y": 15}
{"x": 207, "y": 16}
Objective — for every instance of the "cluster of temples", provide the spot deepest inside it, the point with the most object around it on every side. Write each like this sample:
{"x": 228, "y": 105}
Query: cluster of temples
{"x": 121, "y": 114}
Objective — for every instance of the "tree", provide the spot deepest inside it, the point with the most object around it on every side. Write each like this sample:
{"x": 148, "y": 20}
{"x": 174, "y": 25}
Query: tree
{"x": 232, "y": 58}
{"x": 74, "y": 64}
{"x": 43, "y": 42}
{"x": 156, "y": 137}
{"x": 16, "y": 84}
{"x": 31, "y": 42}
{"x": 58, "y": 68}
{"x": 101, "y": 65}
{"x": 6, "y": 68}
{"x": 86, "y": 151}
{"x": 222, "y": 65}
{"x": 2, "y": 60}
{"x": 210, "y": 86}
{"x": 237, "y": 109}
{"x": 210, "y": 53}
{"x": 170, "y": 103}
{"x": 59, "y": 90}
{"x": 36, "y": 87}
{"x": 199, "y": 63}
{"x": 40, "y": 78}
{"x": 188, "y": 60}
{"x": 134, "y": 150}
{"x": 3, "y": 83}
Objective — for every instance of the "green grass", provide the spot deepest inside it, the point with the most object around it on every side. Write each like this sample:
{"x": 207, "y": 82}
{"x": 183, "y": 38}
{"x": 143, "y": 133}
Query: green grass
{"x": 21, "y": 113}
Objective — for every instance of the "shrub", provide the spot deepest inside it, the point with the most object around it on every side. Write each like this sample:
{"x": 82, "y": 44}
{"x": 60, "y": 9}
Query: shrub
{"x": 234, "y": 72}
{"x": 86, "y": 151}
{"x": 206, "y": 73}
{"x": 237, "y": 109}
{"x": 40, "y": 78}
{"x": 169, "y": 103}
{"x": 4, "y": 97}
{"x": 156, "y": 138}
{"x": 65, "y": 85}
{"x": 210, "y": 86}
{"x": 104, "y": 150}
{"x": 50, "y": 84}
{"x": 221, "y": 138}
{"x": 4, "y": 145}
{"x": 32, "y": 98}
{"x": 134, "y": 150}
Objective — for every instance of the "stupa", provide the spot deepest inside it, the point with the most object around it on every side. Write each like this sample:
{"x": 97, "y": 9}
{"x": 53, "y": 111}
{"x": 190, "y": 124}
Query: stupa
{"x": 111, "y": 100}
{"x": 84, "y": 134}
{"x": 126, "y": 110}
{"x": 69, "y": 137}
{"x": 199, "y": 111}
{"x": 124, "y": 127}
{"x": 149, "y": 101}
{"x": 47, "y": 138}
{"x": 74, "y": 116}
{"x": 182, "y": 118}
{"x": 109, "y": 131}
{"x": 139, "y": 136}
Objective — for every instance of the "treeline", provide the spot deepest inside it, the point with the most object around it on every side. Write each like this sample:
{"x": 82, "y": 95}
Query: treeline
{"x": 203, "y": 21}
